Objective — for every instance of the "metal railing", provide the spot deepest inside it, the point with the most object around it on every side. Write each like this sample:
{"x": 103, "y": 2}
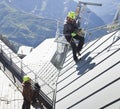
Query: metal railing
{"x": 21, "y": 69}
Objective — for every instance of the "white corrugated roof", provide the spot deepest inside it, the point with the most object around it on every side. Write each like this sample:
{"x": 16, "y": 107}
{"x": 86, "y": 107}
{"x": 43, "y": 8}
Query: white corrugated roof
{"x": 94, "y": 82}
{"x": 40, "y": 55}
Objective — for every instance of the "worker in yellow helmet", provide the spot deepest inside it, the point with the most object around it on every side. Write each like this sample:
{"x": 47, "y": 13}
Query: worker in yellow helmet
{"x": 70, "y": 33}
{"x": 27, "y": 92}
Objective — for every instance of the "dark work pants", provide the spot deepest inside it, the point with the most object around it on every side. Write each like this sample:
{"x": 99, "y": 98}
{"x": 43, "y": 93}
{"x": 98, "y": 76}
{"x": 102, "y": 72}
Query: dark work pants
{"x": 80, "y": 44}
{"x": 75, "y": 48}
{"x": 26, "y": 104}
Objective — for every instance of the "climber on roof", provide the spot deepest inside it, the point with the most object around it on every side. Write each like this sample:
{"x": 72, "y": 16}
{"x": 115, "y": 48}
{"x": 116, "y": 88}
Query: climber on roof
{"x": 70, "y": 32}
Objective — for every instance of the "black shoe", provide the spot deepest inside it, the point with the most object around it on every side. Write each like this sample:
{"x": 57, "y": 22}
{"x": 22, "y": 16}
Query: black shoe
{"x": 76, "y": 60}
{"x": 78, "y": 53}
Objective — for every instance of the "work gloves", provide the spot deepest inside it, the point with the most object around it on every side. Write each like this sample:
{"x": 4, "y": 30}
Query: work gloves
{"x": 73, "y": 34}
{"x": 78, "y": 32}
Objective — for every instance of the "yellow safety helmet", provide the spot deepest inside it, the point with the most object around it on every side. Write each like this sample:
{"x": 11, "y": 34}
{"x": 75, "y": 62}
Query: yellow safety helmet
{"x": 71, "y": 15}
{"x": 26, "y": 78}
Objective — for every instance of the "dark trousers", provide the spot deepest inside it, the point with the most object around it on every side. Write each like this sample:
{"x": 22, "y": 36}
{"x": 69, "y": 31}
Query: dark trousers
{"x": 26, "y": 104}
{"x": 75, "y": 48}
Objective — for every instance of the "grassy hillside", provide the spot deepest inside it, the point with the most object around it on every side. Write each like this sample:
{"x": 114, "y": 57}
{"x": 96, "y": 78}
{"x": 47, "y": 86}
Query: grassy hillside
{"x": 24, "y": 28}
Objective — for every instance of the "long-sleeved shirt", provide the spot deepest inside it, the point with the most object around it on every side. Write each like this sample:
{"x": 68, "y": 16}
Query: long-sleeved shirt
{"x": 27, "y": 91}
{"x": 69, "y": 28}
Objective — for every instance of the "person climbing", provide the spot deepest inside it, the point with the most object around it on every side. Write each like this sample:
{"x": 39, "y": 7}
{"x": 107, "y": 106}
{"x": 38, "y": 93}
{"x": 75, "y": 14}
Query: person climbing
{"x": 71, "y": 31}
{"x": 27, "y": 92}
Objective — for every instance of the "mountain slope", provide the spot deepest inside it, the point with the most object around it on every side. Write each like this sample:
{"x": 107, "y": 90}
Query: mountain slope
{"x": 24, "y": 28}
{"x": 30, "y": 24}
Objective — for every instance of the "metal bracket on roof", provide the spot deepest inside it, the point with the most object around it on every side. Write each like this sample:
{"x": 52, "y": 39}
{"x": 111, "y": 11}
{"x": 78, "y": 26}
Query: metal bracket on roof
{"x": 90, "y": 3}
{"x": 60, "y": 55}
